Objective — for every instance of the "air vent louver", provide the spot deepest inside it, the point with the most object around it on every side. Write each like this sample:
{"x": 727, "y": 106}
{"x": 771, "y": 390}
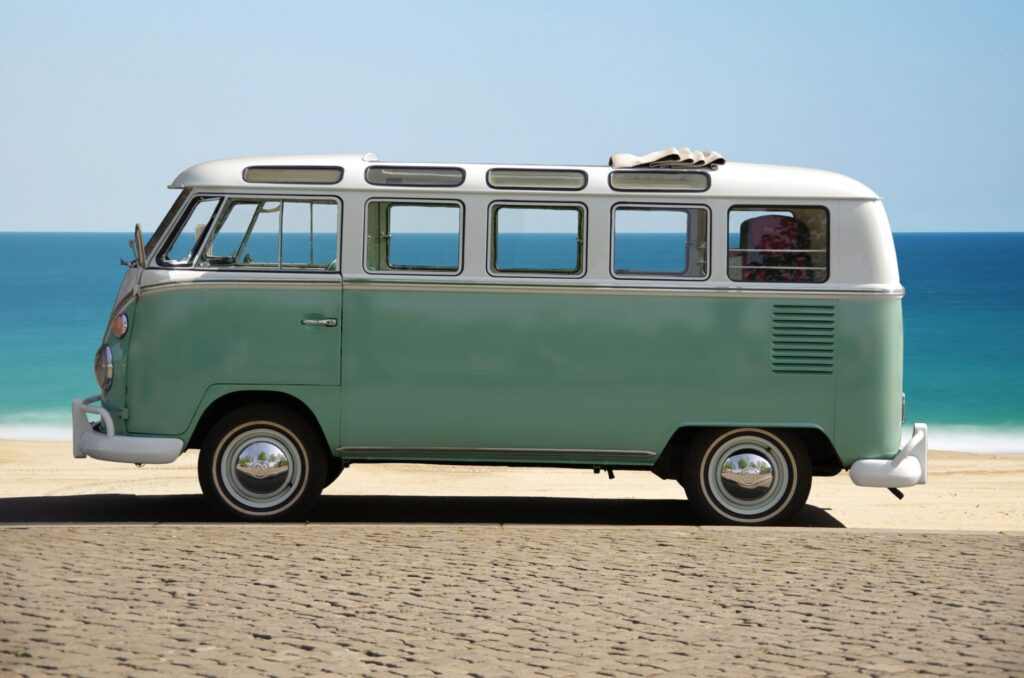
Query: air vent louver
{"x": 803, "y": 338}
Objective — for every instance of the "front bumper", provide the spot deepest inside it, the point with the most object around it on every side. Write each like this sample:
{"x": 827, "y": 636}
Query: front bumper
{"x": 908, "y": 467}
{"x": 89, "y": 442}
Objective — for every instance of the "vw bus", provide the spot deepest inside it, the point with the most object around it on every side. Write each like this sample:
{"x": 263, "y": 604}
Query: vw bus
{"x": 733, "y": 327}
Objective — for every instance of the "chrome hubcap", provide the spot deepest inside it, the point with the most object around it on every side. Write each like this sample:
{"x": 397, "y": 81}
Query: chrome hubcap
{"x": 748, "y": 475}
{"x": 261, "y": 468}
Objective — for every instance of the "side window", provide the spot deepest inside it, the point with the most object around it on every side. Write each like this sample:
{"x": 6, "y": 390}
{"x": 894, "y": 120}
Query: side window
{"x": 268, "y": 233}
{"x": 537, "y": 239}
{"x": 180, "y": 250}
{"x": 413, "y": 236}
{"x": 310, "y": 235}
{"x": 768, "y": 244}
{"x": 659, "y": 241}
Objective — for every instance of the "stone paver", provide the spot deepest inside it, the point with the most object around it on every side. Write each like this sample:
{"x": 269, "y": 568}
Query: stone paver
{"x": 461, "y": 599}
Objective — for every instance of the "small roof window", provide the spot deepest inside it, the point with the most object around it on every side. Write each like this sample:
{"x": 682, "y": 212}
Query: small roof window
{"x": 537, "y": 179}
{"x": 415, "y": 176}
{"x": 268, "y": 174}
{"x": 659, "y": 180}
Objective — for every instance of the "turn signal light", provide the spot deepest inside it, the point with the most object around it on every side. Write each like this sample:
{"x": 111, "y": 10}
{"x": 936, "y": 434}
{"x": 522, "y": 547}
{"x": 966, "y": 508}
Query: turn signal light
{"x": 120, "y": 327}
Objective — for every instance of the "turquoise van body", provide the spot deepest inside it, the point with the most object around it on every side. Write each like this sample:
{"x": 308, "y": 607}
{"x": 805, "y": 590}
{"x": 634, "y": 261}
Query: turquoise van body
{"x": 469, "y": 362}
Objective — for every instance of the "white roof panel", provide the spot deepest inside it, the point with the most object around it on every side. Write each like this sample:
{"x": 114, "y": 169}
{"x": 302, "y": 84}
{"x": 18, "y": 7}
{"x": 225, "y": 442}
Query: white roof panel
{"x": 734, "y": 179}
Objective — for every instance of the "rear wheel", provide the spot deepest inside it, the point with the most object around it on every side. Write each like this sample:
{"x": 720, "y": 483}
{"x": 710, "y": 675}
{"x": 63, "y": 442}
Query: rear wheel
{"x": 747, "y": 476}
{"x": 262, "y": 463}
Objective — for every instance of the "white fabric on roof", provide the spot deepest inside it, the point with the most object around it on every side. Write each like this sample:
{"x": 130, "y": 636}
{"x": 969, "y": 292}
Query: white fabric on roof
{"x": 668, "y": 157}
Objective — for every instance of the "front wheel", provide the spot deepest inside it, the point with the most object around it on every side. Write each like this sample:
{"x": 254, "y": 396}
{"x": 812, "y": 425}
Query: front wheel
{"x": 262, "y": 463}
{"x": 334, "y": 468}
{"x": 747, "y": 476}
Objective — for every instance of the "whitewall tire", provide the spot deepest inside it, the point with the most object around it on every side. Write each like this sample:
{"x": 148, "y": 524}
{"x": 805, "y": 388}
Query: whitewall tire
{"x": 747, "y": 476}
{"x": 262, "y": 463}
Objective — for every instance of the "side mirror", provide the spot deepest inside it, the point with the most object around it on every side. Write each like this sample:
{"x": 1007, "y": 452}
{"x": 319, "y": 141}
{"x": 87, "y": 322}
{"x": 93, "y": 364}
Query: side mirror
{"x": 140, "y": 248}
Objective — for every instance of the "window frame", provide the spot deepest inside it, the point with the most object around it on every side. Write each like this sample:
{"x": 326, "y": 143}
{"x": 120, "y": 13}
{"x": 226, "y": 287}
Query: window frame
{"x": 409, "y": 201}
{"x": 156, "y": 241}
{"x": 492, "y": 239}
{"x": 779, "y": 208}
{"x": 194, "y": 259}
{"x": 184, "y": 214}
{"x": 661, "y": 276}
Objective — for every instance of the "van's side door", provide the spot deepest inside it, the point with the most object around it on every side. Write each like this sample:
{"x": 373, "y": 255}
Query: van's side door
{"x": 260, "y": 306}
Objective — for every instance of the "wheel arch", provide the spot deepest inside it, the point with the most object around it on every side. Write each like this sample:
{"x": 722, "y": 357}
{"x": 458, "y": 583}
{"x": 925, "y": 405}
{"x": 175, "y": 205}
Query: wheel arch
{"x": 241, "y": 398}
{"x": 824, "y": 458}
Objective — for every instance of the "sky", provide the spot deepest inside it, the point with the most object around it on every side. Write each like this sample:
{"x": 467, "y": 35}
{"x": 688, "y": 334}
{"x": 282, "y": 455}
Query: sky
{"x": 102, "y": 104}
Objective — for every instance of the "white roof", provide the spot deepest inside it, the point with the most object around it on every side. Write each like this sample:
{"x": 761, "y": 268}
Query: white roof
{"x": 734, "y": 179}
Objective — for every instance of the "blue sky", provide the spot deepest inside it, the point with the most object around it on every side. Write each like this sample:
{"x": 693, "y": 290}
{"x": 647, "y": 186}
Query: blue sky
{"x": 104, "y": 103}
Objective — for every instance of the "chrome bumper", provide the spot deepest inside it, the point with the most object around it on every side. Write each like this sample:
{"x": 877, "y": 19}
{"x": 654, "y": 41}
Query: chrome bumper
{"x": 908, "y": 467}
{"x": 88, "y": 442}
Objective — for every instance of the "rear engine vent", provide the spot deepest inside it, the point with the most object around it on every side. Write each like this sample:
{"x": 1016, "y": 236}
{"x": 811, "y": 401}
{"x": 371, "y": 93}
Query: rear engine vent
{"x": 803, "y": 338}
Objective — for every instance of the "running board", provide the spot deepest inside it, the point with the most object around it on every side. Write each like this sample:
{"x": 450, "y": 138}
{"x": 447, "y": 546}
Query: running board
{"x": 503, "y": 454}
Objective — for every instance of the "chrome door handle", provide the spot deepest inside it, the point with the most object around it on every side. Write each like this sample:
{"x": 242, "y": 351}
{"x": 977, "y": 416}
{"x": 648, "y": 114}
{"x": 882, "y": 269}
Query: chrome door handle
{"x": 320, "y": 322}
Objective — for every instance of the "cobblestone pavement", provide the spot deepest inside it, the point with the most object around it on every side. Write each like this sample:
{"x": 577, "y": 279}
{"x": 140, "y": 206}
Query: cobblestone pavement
{"x": 460, "y": 599}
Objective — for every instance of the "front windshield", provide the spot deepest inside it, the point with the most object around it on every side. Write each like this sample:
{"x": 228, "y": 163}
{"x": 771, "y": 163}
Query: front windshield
{"x": 158, "y": 235}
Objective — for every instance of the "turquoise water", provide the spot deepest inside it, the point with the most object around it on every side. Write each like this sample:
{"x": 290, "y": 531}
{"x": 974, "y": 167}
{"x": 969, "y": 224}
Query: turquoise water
{"x": 964, "y": 318}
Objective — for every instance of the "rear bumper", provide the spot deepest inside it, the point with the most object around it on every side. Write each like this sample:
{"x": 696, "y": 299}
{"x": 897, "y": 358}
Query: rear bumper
{"x": 104, "y": 445}
{"x": 908, "y": 467}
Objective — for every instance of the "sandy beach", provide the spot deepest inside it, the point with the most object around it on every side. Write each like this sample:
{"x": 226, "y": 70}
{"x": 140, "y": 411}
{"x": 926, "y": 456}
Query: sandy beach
{"x": 108, "y": 569}
{"x": 964, "y": 491}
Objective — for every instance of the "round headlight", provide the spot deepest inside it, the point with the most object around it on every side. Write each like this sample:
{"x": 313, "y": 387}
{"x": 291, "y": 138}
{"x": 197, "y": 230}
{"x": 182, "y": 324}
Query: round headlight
{"x": 120, "y": 325}
{"x": 103, "y": 366}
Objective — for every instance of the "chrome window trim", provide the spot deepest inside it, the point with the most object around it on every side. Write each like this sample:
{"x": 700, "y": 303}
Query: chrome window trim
{"x": 184, "y": 214}
{"x": 261, "y": 195}
{"x": 415, "y": 271}
{"x": 660, "y": 276}
{"x": 492, "y": 240}
{"x": 168, "y": 223}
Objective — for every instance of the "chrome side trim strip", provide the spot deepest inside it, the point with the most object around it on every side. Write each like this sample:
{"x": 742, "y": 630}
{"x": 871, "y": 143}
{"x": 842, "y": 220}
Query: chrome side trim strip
{"x": 158, "y": 276}
{"x": 616, "y": 290}
{"x": 234, "y": 285}
{"x": 520, "y": 452}
{"x": 503, "y": 287}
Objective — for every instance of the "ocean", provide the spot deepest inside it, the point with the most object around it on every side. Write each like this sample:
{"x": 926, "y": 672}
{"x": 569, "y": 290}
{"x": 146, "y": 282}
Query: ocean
{"x": 963, "y": 317}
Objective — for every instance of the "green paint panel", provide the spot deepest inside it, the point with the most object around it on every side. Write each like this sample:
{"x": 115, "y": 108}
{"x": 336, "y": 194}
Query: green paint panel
{"x": 575, "y": 372}
{"x": 186, "y": 339}
{"x": 542, "y": 370}
{"x": 870, "y": 386}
